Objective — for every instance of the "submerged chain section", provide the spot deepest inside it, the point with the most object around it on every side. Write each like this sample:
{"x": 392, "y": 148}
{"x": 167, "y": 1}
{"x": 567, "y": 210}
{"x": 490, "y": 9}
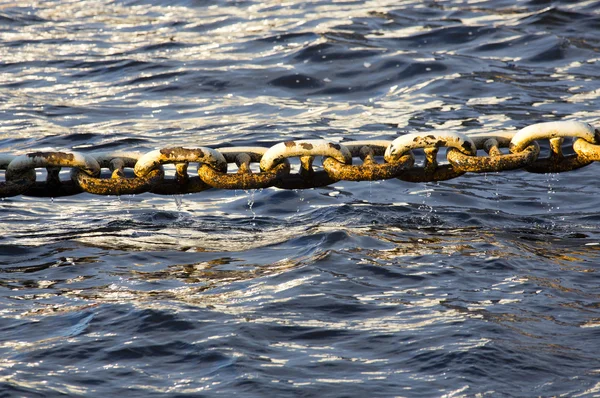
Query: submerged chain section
{"x": 380, "y": 160}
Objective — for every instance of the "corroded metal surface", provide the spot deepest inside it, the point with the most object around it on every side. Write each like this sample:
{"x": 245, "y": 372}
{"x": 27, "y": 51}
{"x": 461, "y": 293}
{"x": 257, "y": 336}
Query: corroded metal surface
{"x": 431, "y": 170}
{"x": 555, "y": 132}
{"x": 398, "y": 162}
{"x": 430, "y": 144}
{"x": 118, "y": 183}
{"x": 244, "y": 178}
{"x": 370, "y": 170}
{"x": 587, "y": 151}
{"x": 20, "y": 173}
{"x": 152, "y": 160}
{"x": 557, "y": 162}
{"x": 288, "y": 149}
{"x": 306, "y": 150}
{"x": 179, "y": 156}
{"x": 496, "y": 161}
{"x": 405, "y": 143}
{"x": 23, "y": 163}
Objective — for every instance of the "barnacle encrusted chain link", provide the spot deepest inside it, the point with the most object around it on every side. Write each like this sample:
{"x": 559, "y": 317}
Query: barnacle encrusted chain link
{"x": 380, "y": 160}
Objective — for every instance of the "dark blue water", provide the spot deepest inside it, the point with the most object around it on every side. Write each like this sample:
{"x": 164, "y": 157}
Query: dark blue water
{"x": 485, "y": 285}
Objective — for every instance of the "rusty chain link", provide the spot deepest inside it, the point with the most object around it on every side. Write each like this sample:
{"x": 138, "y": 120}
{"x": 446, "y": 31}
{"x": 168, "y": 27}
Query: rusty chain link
{"x": 244, "y": 178}
{"x": 306, "y": 150}
{"x": 380, "y": 160}
{"x": 430, "y": 143}
{"x": 16, "y": 185}
{"x": 180, "y": 157}
{"x": 496, "y": 159}
{"x": 556, "y": 132}
{"x": 21, "y": 167}
{"x": 118, "y": 183}
{"x": 370, "y": 170}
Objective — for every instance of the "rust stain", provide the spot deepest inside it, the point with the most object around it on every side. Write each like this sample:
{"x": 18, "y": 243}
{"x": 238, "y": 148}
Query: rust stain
{"x": 35, "y": 154}
{"x": 289, "y": 144}
{"x": 306, "y": 146}
{"x": 54, "y": 156}
{"x": 367, "y": 171}
{"x": 179, "y": 152}
{"x": 243, "y": 180}
{"x": 119, "y": 185}
{"x": 170, "y": 152}
{"x": 480, "y": 164}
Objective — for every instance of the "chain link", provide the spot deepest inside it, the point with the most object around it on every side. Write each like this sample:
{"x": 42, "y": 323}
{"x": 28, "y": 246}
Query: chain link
{"x": 397, "y": 160}
{"x": 556, "y": 132}
{"x": 244, "y": 178}
{"x": 18, "y": 184}
{"x": 586, "y": 150}
{"x": 496, "y": 159}
{"x": 21, "y": 167}
{"x": 430, "y": 143}
{"x": 180, "y": 157}
{"x": 118, "y": 183}
{"x": 306, "y": 150}
{"x": 370, "y": 170}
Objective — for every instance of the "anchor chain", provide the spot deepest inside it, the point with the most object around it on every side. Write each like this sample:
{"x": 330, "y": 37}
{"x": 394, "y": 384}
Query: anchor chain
{"x": 134, "y": 173}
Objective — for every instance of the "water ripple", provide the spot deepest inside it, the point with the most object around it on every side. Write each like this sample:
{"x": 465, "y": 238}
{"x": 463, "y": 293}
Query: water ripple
{"x": 379, "y": 289}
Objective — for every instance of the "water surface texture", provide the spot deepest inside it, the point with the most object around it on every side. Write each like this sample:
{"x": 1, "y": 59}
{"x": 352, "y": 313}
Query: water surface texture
{"x": 485, "y": 285}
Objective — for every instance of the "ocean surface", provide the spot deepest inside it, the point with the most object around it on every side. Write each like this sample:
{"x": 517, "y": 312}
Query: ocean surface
{"x": 486, "y": 285}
